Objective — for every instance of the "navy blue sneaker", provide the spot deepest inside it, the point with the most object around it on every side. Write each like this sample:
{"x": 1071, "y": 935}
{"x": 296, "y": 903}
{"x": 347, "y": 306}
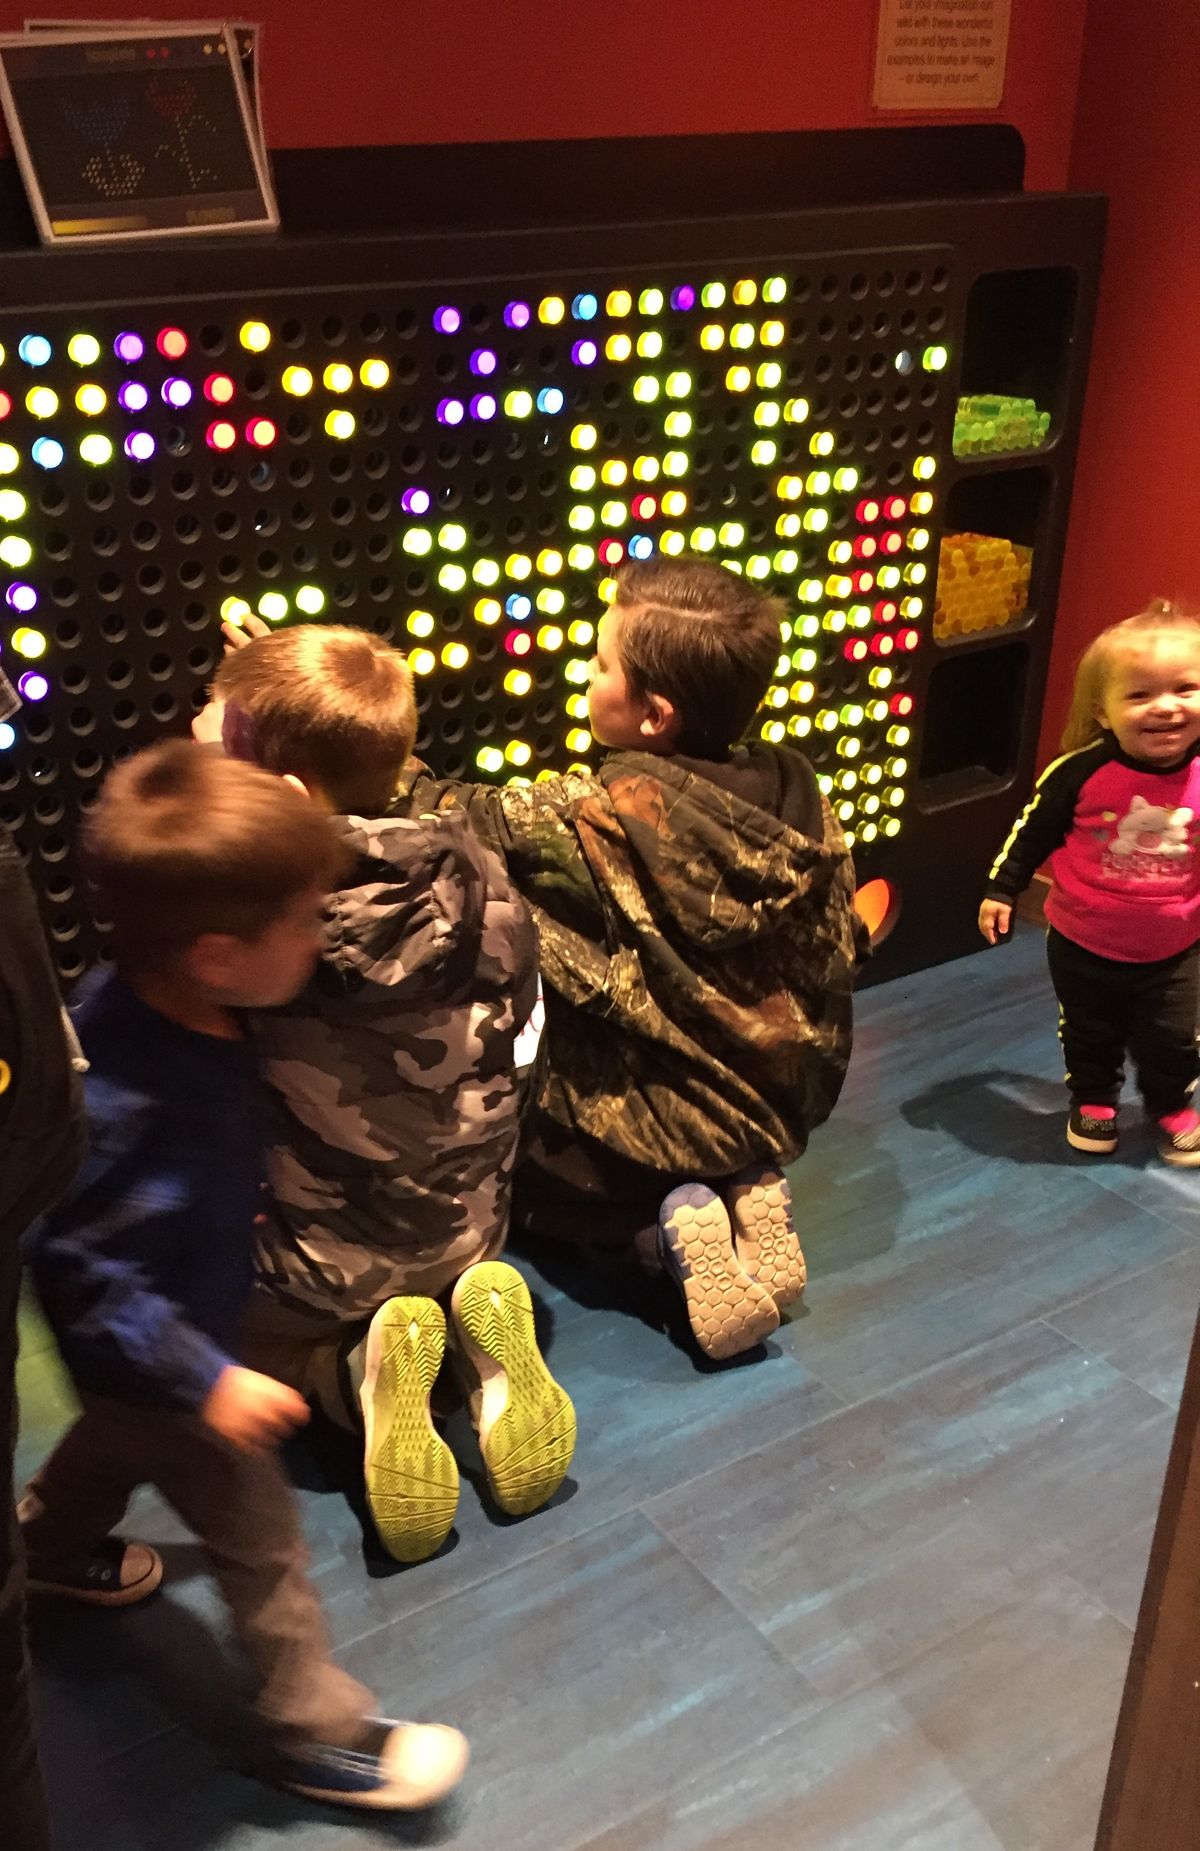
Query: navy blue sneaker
{"x": 728, "y": 1310}
{"x": 400, "y": 1768}
{"x": 116, "y": 1574}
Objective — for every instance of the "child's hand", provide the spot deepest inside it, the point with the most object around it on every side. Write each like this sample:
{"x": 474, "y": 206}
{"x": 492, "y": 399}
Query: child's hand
{"x": 995, "y": 918}
{"x": 237, "y": 635}
{"x": 252, "y": 1411}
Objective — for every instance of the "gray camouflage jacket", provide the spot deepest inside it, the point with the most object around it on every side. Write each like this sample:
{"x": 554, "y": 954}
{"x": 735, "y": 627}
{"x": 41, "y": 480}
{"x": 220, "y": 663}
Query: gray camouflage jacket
{"x": 393, "y": 1074}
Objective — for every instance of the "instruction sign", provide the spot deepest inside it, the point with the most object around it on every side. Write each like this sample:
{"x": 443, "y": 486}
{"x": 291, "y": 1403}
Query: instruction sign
{"x": 941, "y": 54}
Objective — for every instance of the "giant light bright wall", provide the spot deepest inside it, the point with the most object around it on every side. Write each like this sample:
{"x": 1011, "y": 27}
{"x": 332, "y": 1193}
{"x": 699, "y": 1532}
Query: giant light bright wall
{"x": 462, "y": 470}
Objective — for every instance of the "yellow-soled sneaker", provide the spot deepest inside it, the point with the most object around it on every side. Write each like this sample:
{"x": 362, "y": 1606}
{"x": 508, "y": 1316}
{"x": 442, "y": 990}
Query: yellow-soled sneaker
{"x": 526, "y": 1422}
{"x": 729, "y": 1311}
{"x": 764, "y": 1234}
{"x": 410, "y": 1474}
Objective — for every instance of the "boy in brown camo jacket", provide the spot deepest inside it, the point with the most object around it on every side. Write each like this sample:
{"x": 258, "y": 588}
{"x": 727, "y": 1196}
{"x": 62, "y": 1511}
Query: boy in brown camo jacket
{"x": 697, "y": 948}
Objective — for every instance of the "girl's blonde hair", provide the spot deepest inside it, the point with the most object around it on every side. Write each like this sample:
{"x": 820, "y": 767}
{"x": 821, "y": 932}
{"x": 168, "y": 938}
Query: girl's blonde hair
{"x": 1119, "y": 642}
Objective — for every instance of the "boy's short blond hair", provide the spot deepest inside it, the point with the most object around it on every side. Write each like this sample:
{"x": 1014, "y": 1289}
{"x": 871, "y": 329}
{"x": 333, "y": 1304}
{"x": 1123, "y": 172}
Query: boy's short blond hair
{"x": 705, "y": 638}
{"x": 331, "y": 705}
{"x": 184, "y": 842}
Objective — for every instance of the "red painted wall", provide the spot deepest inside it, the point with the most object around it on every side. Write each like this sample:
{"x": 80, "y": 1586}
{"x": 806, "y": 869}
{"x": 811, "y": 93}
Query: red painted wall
{"x": 1135, "y": 529}
{"x": 339, "y": 71}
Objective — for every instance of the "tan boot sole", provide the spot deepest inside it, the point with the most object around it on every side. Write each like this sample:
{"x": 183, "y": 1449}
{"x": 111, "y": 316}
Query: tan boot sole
{"x": 728, "y": 1310}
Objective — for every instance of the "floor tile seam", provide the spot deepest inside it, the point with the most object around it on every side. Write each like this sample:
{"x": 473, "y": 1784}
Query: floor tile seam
{"x": 893, "y": 1388}
{"x": 472, "y": 1585}
{"x": 819, "y": 1700}
{"x": 825, "y": 1699}
{"x": 854, "y": 1406}
{"x": 1128, "y": 1279}
{"x": 1172, "y": 1219}
{"x": 711, "y": 1767}
{"x": 1042, "y": 1578}
{"x": 154, "y": 1738}
{"x": 1098, "y": 1600}
{"x": 1170, "y": 1407}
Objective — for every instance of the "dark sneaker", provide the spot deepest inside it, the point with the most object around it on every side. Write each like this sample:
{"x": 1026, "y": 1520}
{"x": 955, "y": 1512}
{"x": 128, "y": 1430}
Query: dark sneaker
{"x": 116, "y": 1574}
{"x": 1179, "y": 1139}
{"x": 525, "y": 1421}
{"x": 728, "y": 1310}
{"x": 409, "y": 1471}
{"x": 405, "y": 1766}
{"x": 764, "y": 1235}
{"x": 1086, "y": 1131}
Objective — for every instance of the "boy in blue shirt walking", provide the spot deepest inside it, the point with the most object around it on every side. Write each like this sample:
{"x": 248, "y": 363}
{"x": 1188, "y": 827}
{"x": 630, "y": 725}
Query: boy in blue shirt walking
{"x": 214, "y": 875}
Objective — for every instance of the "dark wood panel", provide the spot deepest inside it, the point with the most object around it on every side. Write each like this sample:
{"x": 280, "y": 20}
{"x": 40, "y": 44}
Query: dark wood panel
{"x": 1152, "y": 1802}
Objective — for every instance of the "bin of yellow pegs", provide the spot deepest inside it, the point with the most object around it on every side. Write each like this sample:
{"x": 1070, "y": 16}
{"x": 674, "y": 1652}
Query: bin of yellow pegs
{"x": 983, "y": 584}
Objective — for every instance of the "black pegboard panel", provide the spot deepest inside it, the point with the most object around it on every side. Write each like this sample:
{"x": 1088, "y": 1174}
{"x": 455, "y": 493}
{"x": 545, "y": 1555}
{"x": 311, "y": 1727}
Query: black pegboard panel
{"x": 459, "y": 463}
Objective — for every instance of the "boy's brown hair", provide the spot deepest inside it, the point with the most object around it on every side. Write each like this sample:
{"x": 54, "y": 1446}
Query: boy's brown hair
{"x": 1120, "y": 641}
{"x": 705, "y": 638}
{"x": 332, "y": 705}
{"x": 184, "y": 842}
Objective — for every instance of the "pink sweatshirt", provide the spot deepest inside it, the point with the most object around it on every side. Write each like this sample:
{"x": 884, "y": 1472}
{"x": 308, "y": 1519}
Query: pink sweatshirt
{"x": 1123, "y": 842}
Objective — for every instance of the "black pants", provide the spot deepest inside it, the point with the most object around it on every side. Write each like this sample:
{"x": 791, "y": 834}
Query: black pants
{"x": 22, "y": 1804}
{"x": 1108, "y": 1007}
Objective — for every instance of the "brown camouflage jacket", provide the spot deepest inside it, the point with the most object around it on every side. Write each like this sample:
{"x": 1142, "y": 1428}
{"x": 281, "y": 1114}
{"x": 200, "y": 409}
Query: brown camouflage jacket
{"x": 697, "y": 955}
{"x": 393, "y": 1074}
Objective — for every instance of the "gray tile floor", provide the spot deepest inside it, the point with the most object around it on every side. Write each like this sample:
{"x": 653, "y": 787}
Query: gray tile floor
{"x": 869, "y": 1591}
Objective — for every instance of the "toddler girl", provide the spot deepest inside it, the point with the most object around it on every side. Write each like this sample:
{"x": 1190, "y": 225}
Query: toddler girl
{"x": 1117, "y": 817}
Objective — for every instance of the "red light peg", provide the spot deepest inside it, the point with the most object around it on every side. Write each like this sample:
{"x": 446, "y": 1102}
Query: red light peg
{"x": 518, "y": 642}
{"x": 219, "y": 388}
{"x": 855, "y": 649}
{"x": 610, "y": 552}
{"x": 901, "y": 704}
{"x": 882, "y": 644}
{"x": 866, "y": 546}
{"x": 895, "y": 508}
{"x": 886, "y": 611}
{"x": 908, "y": 639}
{"x": 892, "y": 542}
{"x": 221, "y": 436}
{"x": 261, "y": 432}
{"x": 867, "y": 511}
{"x": 643, "y": 507}
{"x": 5, "y": 404}
{"x": 862, "y": 582}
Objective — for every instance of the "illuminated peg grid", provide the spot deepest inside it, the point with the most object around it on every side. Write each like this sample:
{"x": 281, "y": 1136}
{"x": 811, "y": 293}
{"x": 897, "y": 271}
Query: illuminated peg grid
{"x": 463, "y": 471}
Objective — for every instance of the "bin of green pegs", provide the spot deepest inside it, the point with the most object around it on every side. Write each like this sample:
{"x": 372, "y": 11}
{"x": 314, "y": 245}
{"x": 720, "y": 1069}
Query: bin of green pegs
{"x": 992, "y": 424}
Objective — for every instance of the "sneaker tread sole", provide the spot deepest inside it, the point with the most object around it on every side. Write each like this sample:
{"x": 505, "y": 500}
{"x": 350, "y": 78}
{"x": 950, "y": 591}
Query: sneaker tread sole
{"x": 760, "y": 1208}
{"x": 529, "y": 1444}
{"x": 410, "y": 1473}
{"x": 729, "y": 1311}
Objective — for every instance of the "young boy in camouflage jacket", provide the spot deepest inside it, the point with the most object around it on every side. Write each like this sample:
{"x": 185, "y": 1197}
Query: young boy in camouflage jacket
{"x": 394, "y": 1078}
{"x": 694, "y": 905}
